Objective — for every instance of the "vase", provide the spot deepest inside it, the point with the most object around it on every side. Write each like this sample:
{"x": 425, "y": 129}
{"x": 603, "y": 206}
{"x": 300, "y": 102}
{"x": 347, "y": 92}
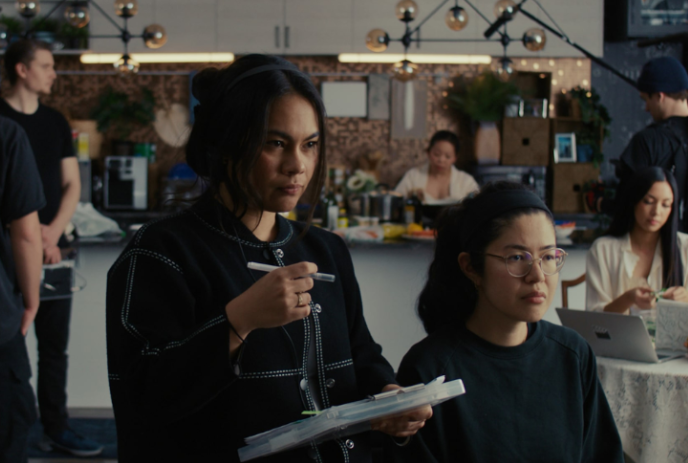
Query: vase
{"x": 487, "y": 143}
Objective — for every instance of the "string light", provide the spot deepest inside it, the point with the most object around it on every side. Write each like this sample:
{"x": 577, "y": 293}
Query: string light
{"x": 524, "y": 62}
{"x": 560, "y": 72}
{"x": 536, "y": 66}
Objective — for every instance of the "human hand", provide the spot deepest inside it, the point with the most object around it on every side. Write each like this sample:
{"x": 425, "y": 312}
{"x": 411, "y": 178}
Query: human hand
{"x": 420, "y": 193}
{"x": 52, "y": 255}
{"x": 676, "y": 293}
{"x": 404, "y": 425}
{"x": 641, "y": 297}
{"x": 276, "y": 299}
{"x": 27, "y": 319}
{"x": 50, "y": 236}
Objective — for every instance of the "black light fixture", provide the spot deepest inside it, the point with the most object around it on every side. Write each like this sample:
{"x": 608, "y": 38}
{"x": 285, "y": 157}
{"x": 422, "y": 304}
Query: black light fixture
{"x": 77, "y": 14}
{"x": 456, "y": 18}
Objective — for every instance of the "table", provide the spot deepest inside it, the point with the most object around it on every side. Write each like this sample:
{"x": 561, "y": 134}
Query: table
{"x": 650, "y": 406}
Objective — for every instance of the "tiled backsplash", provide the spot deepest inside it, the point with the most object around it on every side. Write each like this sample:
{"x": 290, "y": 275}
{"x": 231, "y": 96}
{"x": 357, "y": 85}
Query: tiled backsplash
{"x": 348, "y": 138}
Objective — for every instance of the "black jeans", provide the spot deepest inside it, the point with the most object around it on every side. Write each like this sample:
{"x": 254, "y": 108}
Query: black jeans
{"x": 52, "y": 335}
{"x": 17, "y": 402}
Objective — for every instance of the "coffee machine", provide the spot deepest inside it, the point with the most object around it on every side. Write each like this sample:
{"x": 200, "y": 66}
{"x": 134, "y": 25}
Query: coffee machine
{"x": 126, "y": 183}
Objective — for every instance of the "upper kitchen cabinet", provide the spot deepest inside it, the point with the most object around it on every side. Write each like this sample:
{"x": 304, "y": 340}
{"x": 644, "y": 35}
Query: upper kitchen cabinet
{"x": 581, "y": 20}
{"x": 190, "y": 25}
{"x": 318, "y": 27}
{"x": 251, "y": 26}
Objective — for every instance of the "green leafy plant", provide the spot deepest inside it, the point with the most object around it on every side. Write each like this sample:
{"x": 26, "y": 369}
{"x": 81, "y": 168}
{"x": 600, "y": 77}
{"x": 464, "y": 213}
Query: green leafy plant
{"x": 44, "y": 24}
{"x": 14, "y": 26}
{"x": 596, "y": 120}
{"x": 116, "y": 111}
{"x": 74, "y": 37}
{"x": 482, "y": 98}
{"x": 69, "y": 31}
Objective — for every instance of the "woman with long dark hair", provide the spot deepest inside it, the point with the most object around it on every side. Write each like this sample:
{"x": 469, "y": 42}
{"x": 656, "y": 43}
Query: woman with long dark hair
{"x": 202, "y": 350}
{"x": 532, "y": 392}
{"x": 643, "y": 255}
{"x": 438, "y": 181}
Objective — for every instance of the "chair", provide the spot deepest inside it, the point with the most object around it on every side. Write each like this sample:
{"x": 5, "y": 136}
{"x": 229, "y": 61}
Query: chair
{"x": 565, "y": 285}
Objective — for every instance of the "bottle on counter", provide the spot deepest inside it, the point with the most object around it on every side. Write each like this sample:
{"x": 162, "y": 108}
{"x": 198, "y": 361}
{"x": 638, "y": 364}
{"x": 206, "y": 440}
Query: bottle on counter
{"x": 343, "y": 220}
{"x": 413, "y": 209}
{"x": 330, "y": 211}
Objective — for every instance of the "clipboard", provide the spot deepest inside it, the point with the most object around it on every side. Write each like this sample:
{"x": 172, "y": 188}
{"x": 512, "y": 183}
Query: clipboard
{"x": 349, "y": 419}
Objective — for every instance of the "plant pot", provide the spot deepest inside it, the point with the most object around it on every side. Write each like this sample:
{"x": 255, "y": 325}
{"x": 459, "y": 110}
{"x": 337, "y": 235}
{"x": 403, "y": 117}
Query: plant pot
{"x": 576, "y": 112}
{"x": 487, "y": 143}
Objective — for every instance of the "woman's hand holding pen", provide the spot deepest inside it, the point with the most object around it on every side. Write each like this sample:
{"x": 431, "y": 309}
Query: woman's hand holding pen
{"x": 404, "y": 425}
{"x": 676, "y": 293}
{"x": 276, "y": 299}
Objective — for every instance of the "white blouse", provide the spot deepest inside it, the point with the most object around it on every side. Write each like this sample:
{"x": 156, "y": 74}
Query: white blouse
{"x": 461, "y": 185}
{"x": 609, "y": 270}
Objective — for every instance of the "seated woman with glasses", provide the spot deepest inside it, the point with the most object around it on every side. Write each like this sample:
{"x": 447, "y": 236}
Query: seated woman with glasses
{"x": 532, "y": 392}
{"x": 643, "y": 255}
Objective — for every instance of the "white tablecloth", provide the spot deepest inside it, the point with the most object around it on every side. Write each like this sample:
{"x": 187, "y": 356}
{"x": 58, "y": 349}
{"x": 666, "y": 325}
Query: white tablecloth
{"x": 650, "y": 406}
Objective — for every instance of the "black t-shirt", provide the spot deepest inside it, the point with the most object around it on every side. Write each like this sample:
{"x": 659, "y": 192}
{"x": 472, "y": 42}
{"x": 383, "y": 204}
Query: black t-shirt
{"x": 21, "y": 193}
{"x": 51, "y": 141}
{"x": 540, "y": 401}
{"x": 661, "y": 144}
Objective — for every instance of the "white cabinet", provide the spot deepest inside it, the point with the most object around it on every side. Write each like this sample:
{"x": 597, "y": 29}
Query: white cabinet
{"x": 318, "y": 27}
{"x": 330, "y": 27}
{"x": 251, "y": 26}
{"x": 582, "y": 20}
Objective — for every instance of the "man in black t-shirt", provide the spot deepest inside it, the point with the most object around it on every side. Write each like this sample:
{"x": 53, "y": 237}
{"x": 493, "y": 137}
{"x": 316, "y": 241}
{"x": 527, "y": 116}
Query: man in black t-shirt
{"x": 30, "y": 69}
{"x": 21, "y": 255}
{"x": 663, "y": 85}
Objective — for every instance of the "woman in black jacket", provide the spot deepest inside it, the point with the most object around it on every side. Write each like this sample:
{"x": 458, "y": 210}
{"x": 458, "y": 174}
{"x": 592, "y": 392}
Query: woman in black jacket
{"x": 202, "y": 351}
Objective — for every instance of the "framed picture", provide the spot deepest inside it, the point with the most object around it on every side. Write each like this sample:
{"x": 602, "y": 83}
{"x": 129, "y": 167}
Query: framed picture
{"x": 564, "y": 147}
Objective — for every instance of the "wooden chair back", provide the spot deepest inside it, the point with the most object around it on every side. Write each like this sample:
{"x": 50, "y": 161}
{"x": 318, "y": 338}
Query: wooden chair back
{"x": 565, "y": 285}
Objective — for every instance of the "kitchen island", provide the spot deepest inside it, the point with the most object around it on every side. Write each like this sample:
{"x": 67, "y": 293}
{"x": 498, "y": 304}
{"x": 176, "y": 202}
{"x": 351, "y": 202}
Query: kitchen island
{"x": 391, "y": 274}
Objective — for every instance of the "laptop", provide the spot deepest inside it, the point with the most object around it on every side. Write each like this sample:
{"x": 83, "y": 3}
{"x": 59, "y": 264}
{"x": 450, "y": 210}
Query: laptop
{"x": 616, "y": 335}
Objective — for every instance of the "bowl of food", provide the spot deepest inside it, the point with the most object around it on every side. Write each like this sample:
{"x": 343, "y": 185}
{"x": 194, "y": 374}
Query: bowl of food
{"x": 563, "y": 229}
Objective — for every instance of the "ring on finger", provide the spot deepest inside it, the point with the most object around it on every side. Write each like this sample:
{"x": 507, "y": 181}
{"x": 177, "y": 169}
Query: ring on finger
{"x": 299, "y": 303}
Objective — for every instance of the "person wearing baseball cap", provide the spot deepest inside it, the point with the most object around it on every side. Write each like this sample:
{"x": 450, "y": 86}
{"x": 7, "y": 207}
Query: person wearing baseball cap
{"x": 663, "y": 85}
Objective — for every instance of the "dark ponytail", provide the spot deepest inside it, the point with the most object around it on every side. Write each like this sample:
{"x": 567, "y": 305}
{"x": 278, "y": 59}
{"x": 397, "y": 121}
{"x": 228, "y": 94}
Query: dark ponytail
{"x": 449, "y": 296}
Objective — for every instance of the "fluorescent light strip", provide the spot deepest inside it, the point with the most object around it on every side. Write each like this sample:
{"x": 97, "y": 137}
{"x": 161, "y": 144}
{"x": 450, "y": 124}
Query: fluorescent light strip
{"x": 110, "y": 58}
{"x": 418, "y": 59}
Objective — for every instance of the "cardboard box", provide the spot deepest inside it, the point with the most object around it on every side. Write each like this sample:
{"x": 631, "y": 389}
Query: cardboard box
{"x": 567, "y": 185}
{"x": 525, "y": 141}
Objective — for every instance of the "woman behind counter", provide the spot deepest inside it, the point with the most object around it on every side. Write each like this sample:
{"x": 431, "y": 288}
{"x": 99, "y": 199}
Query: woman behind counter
{"x": 202, "y": 351}
{"x": 532, "y": 392}
{"x": 438, "y": 181}
{"x": 643, "y": 251}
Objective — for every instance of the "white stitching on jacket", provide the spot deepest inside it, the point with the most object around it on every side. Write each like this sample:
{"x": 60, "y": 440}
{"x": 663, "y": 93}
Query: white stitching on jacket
{"x": 146, "y": 252}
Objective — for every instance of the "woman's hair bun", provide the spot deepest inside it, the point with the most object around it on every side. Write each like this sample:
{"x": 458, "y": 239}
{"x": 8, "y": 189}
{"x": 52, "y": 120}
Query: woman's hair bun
{"x": 204, "y": 84}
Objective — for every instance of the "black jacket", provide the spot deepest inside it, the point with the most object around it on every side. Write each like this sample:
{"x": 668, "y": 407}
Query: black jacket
{"x": 662, "y": 144}
{"x": 175, "y": 392}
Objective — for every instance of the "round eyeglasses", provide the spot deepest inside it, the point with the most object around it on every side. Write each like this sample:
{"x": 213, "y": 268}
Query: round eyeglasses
{"x": 519, "y": 263}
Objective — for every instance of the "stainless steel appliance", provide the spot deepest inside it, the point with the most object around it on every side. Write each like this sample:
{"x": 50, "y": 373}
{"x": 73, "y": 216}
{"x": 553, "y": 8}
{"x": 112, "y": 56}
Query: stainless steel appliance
{"x": 532, "y": 176}
{"x": 126, "y": 183}
{"x": 382, "y": 203}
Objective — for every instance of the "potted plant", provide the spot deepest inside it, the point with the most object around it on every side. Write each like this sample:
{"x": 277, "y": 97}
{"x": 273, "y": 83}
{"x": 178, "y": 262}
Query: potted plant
{"x": 483, "y": 100}
{"x": 596, "y": 120}
{"x": 13, "y": 26}
{"x": 117, "y": 113}
{"x": 75, "y": 38}
{"x": 46, "y": 30}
